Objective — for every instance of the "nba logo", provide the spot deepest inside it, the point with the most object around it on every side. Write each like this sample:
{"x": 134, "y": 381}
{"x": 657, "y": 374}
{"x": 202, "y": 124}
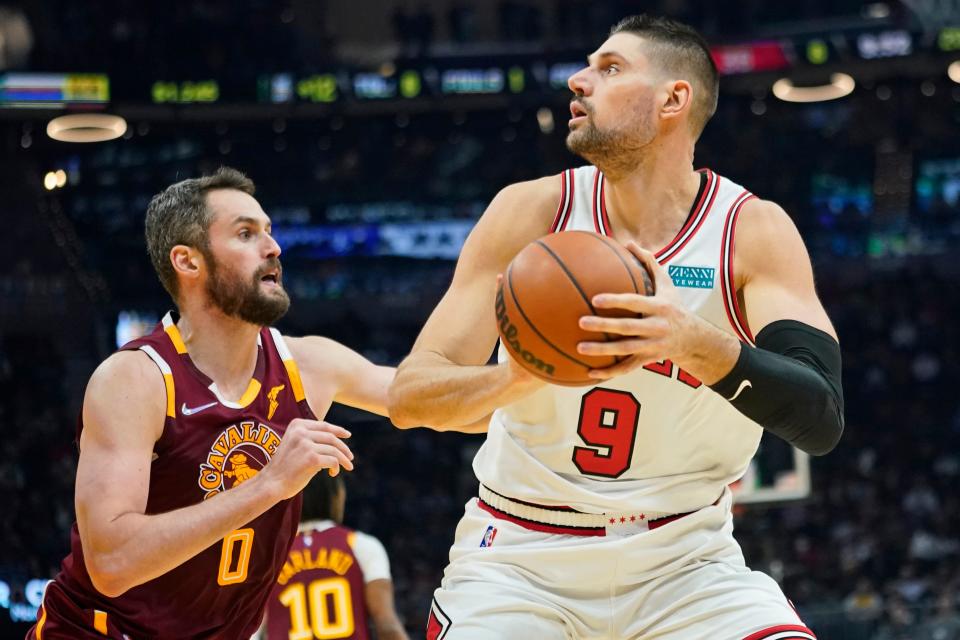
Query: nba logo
{"x": 488, "y": 537}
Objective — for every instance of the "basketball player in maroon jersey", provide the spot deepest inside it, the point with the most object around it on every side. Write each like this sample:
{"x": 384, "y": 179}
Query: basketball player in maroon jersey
{"x": 335, "y": 579}
{"x": 567, "y": 539}
{"x": 197, "y": 439}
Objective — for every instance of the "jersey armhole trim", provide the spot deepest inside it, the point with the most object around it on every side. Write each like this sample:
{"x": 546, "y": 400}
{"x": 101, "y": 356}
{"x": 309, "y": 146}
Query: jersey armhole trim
{"x": 727, "y": 283}
{"x": 783, "y": 632}
{"x": 293, "y": 372}
{"x": 167, "y": 378}
{"x": 564, "y": 207}
{"x": 43, "y": 612}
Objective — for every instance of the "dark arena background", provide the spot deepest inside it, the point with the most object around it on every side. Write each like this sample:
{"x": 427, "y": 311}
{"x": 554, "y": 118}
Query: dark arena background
{"x": 377, "y": 131}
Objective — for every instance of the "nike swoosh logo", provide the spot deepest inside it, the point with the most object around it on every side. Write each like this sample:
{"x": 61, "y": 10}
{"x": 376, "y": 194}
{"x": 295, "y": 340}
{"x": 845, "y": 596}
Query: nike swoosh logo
{"x": 743, "y": 385}
{"x": 187, "y": 411}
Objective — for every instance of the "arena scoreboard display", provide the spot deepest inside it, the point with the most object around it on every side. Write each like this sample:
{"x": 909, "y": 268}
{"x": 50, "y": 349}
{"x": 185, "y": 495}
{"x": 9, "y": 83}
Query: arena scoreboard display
{"x": 54, "y": 90}
{"x": 442, "y": 77}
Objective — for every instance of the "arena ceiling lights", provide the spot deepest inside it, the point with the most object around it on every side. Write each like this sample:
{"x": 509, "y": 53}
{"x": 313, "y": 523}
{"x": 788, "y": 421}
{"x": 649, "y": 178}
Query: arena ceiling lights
{"x": 840, "y": 85}
{"x": 954, "y": 71}
{"x": 86, "y": 127}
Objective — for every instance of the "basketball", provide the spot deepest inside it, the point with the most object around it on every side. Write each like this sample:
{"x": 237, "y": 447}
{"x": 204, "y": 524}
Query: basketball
{"x": 545, "y": 291}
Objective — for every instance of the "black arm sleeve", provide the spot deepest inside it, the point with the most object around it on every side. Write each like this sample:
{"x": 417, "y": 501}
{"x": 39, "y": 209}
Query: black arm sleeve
{"x": 790, "y": 385}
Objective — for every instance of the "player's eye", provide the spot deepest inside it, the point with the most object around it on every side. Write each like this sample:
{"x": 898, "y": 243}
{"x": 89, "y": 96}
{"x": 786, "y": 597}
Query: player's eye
{"x": 610, "y": 69}
{"x": 245, "y": 234}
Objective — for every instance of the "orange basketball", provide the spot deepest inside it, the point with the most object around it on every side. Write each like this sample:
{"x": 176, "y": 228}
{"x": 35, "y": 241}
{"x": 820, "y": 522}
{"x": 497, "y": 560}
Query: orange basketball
{"x": 546, "y": 289}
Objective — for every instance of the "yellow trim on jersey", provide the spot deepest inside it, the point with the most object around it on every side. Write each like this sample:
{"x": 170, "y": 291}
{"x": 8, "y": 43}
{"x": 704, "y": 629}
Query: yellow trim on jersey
{"x": 351, "y": 538}
{"x": 252, "y": 390}
{"x": 295, "y": 384}
{"x": 171, "y": 396}
{"x": 43, "y": 620}
{"x": 100, "y": 621}
{"x": 167, "y": 378}
{"x": 175, "y": 338}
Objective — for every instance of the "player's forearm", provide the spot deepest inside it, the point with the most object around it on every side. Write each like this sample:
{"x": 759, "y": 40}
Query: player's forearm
{"x": 790, "y": 384}
{"x": 139, "y": 547}
{"x": 429, "y": 390}
{"x": 710, "y": 353}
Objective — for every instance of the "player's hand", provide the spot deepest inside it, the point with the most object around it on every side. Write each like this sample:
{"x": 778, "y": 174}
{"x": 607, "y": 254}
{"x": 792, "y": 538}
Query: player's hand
{"x": 307, "y": 447}
{"x": 661, "y": 330}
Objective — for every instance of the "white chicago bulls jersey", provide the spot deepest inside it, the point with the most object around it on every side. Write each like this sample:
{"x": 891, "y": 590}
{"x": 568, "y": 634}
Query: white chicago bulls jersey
{"x": 657, "y": 438}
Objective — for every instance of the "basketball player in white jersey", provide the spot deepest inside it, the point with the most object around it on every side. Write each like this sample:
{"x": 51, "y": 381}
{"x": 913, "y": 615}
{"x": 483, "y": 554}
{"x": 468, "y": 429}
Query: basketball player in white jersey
{"x": 603, "y": 511}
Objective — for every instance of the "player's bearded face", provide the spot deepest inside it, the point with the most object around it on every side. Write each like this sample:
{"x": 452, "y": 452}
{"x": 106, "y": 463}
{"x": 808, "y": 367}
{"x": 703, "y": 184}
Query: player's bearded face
{"x": 244, "y": 297}
{"x": 613, "y": 136}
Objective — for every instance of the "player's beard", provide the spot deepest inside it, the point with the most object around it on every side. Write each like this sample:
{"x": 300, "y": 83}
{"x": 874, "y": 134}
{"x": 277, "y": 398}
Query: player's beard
{"x": 244, "y": 299}
{"x": 614, "y": 150}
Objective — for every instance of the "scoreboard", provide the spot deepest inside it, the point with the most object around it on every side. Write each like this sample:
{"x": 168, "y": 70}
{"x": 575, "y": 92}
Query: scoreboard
{"x": 407, "y": 80}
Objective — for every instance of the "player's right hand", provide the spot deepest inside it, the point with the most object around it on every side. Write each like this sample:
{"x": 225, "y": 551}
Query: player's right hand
{"x": 307, "y": 447}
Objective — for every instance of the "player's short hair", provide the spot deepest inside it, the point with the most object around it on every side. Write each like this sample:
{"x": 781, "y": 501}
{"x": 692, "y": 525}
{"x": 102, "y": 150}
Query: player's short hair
{"x": 679, "y": 49}
{"x": 179, "y": 215}
{"x": 319, "y": 496}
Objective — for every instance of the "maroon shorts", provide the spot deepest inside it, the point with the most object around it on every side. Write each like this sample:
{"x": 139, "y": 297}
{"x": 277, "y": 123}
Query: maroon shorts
{"x": 60, "y": 618}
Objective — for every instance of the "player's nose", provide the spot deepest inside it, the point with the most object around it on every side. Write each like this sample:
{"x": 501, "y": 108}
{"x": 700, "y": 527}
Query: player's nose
{"x": 272, "y": 247}
{"x": 579, "y": 82}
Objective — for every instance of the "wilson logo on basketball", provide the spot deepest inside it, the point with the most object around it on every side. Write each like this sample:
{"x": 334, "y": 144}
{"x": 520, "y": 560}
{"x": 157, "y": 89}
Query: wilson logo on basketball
{"x": 509, "y": 334}
{"x": 238, "y": 454}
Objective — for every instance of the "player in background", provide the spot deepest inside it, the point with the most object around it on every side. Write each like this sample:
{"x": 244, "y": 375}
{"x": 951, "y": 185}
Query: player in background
{"x": 196, "y": 440}
{"x": 335, "y": 579}
{"x": 604, "y": 511}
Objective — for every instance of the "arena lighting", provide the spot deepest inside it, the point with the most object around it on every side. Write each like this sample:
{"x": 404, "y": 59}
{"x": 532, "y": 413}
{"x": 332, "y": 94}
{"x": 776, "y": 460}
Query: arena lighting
{"x": 86, "y": 127}
{"x": 954, "y": 71}
{"x": 840, "y": 85}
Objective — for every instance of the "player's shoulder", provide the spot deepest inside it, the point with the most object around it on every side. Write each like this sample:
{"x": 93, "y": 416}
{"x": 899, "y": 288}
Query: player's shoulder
{"x": 763, "y": 225}
{"x": 131, "y": 367}
{"x": 766, "y": 236}
{"x": 520, "y": 213}
{"x": 128, "y": 388}
{"x": 312, "y": 352}
{"x": 306, "y": 346}
{"x": 371, "y": 554}
{"x": 539, "y": 192}
{"x": 363, "y": 539}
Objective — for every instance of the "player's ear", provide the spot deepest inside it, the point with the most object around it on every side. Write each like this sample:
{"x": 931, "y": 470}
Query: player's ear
{"x": 678, "y": 98}
{"x": 186, "y": 260}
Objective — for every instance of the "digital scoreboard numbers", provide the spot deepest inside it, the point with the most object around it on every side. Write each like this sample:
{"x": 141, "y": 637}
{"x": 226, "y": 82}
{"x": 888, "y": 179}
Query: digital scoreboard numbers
{"x": 322, "y": 88}
{"x": 187, "y": 92}
{"x": 374, "y": 86}
{"x": 472, "y": 81}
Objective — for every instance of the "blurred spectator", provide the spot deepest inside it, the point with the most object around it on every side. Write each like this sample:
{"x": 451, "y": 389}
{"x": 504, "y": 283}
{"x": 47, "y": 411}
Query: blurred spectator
{"x": 864, "y": 604}
{"x": 945, "y": 624}
{"x": 899, "y": 623}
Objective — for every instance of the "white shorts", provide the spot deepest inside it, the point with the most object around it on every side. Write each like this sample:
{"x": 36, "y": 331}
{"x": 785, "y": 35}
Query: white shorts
{"x": 685, "y": 580}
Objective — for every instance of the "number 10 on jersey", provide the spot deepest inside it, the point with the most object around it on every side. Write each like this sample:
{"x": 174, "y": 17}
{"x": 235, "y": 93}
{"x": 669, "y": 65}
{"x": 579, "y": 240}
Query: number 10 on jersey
{"x": 608, "y": 426}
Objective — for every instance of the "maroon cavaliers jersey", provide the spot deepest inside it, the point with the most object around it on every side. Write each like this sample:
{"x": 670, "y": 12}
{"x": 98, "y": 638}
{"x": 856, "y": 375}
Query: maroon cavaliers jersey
{"x": 319, "y": 592}
{"x": 208, "y": 445}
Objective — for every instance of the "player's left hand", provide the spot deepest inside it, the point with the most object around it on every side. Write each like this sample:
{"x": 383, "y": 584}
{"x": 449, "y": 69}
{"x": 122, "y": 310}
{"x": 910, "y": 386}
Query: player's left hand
{"x": 661, "y": 330}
